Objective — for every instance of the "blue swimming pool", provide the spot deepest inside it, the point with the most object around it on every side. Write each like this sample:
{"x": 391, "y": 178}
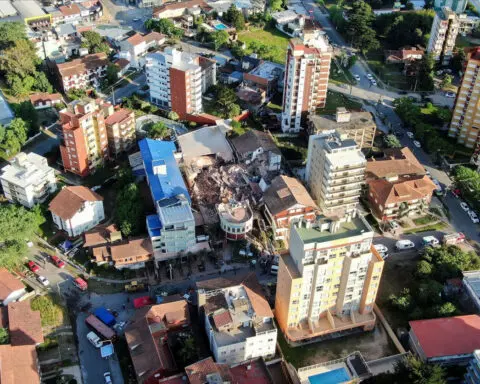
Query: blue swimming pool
{"x": 220, "y": 27}
{"x": 336, "y": 376}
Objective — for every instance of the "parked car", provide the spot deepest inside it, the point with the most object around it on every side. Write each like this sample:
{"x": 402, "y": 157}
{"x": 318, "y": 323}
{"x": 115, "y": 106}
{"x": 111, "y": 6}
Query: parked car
{"x": 381, "y": 248}
{"x": 473, "y": 217}
{"x": 43, "y": 280}
{"x": 450, "y": 95}
{"x": 108, "y": 378}
{"x": 369, "y": 76}
{"x": 404, "y": 244}
{"x": 417, "y": 144}
{"x": 430, "y": 241}
{"x": 356, "y": 77}
{"x": 56, "y": 260}
{"x": 394, "y": 224}
{"x": 33, "y": 267}
{"x": 456, "y": 193}
{"x": 93, "y": 338}
{"x": 374, "y": 82}
{"x": 410, "y": 134}
{"x": 80, "y": 284}
{"x": 464, "y": 206}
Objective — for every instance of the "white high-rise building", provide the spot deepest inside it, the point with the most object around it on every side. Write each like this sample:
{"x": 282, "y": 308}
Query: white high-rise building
{"x": 335, "y": 172}
{"x": 306, "y": 79}
{"x": 177, "y": 79}
{"x": 443, "y": 34}
{"x": 28, "y": 180}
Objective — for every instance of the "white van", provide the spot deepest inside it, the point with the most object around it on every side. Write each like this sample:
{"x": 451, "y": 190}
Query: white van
{"x": 94, "y": 339}
{"x": 274, "y": 269}
{"x": 404, "y": 244}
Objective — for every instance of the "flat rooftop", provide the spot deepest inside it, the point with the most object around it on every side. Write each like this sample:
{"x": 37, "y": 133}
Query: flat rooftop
{"x": 358, "y": 120}
{"x": 268, "y": 70}
{"x": 235, "y": 212}
{"x": 356, "y": 227}
{"x": 472, "y": 278}
{"x": 28, "y": 8}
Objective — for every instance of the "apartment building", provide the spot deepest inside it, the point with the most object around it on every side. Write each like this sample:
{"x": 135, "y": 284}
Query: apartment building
{"x": 85, "y": 144}
{"x": 236, "y": 219}
{"x": 306, "y": 79}
{"x": 238, "y": 319}
{"x": 82, "y": 73}
{"x": 134, "y": 47}
{"x": 28, "y": 180}
{"x": 176, "y": 80}
{"x": 287, "y": 201}
{"x": 457, "y": 6}
{"x": 327, "y": 285}
{"x": 443, "y": 34}
{"x": 465, "y": 124}
{"x": 172, "y": 228}
{"x": 120, "y": 127}
{"x": 473, "y": 370}
{"x": 335, "y": 172}
{"x": 358, "y": 126}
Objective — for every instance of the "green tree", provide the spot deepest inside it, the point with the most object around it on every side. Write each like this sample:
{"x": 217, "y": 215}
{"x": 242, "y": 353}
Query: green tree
{"x": 42, "y": 84}
{"x": 359, "y": 26}
{"x": 219, "y": 39}
{"x": 94, "y": 42}
{"x": 424, "y": 268}
{"x": 10, "y": 32}
{"x": 235, "y": 17}
{"x": 276, "y": 5}
{"x": 165, "y": 26}
{"x": 402, "y": 302}
{"x": 12, "y": 138}
{"x": 425, "y": 72}
{"x": 172, "y": 115}
{"x": 391, "y": 141}
{"x": 4, "y": 336}
{"x": 26, "y": 111}
{"x": 225, "y": 101}
{"x": 158, "y": 131}
{"x": 112, "y": 74}
{"x": 458, "y": 60}
{"x": 188, "y": 351}
{"x": 129, "y": 209}
{"x": 446, "y": 81}
{"x": 20, "y": 59}
{"x": 446, "y": 310}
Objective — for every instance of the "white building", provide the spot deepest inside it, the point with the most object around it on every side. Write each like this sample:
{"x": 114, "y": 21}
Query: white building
{"x": 77, "y": 209}
{"x": 172, "y": 228}
{"x": 335, "y": 172}
{"x": 236, "y": 219}
{"x": 446, "y": 24}
{"x": 306, "y": 79}
{"x": 136, "y": 46}
{"x": 176, "y": 80}
{"x": 28, "y": 180}
{"x": 238, "y": 320}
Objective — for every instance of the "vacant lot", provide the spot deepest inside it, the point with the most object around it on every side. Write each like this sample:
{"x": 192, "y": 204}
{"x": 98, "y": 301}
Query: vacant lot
{"x": 269, "y": 43}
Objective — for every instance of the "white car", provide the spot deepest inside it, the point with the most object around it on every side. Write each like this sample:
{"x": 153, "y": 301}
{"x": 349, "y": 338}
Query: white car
{"x": 464, "y": 206}
{"x": 381, "y": 248}
{"x": 43, "y": 280}
{"x": 356, "y": 77}
{"x": 430, "y": 241}
{"x": 474, "y": 217}
{"x": 410, "y": 134}
{"x": 369, "y": 76}
{"x": 417, "y": 144}
{"x": 394, "y": 224}
{"x": 404, "y": 244}
{"x": 373, "y": 81}
{"x": 108, "y": 378}
{"x": 93, "y": 338}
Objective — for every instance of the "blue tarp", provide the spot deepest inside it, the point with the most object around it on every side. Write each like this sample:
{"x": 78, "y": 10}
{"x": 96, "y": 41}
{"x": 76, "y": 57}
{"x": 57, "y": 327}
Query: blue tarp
{"x": 106, "y": 350}
{"x": 105, "y": 316}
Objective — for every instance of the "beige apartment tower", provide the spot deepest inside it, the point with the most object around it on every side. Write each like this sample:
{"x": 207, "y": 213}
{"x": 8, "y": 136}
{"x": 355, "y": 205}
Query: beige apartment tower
{"x": 443, "y": 34}
{"x": 306, "y": 78}
{"x": 465, "y": 125}
{"x": 328, "y": 284}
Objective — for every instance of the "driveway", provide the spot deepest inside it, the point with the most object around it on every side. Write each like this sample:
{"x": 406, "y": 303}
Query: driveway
{"x": 129, "y": 89}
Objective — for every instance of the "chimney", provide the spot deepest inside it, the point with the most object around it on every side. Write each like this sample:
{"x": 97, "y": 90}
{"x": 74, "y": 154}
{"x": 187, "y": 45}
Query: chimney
{"x": 342, "y": 115}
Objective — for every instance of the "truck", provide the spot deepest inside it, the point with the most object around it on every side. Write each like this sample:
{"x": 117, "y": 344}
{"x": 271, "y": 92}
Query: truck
{"x": 105, "y": 316}
{"x": 453, "y": 238}
{"x": 100, "y": 328}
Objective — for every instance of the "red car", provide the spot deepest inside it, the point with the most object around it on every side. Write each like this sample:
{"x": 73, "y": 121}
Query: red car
{"x": 456, "y": 193}
{"x": 56, "y": 260}
{"x": 33, "y": 267}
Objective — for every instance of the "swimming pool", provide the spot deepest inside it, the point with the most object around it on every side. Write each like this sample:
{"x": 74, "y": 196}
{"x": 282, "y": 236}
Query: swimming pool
{"x": 220, "y": 26}
{"x": 336, "y": 376}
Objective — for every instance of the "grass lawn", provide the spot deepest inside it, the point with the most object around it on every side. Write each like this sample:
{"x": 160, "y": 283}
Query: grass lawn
{"x": 105, "y": 288}
{"x": 433, "y": 227}
{"x": 424, "y": 220}
{"x": 336, "y": 99}
{"x": 463, "y": 42}
{"x": 51, "y": 311}
{"x": 274, "y": 107}
{"x": 293, "y": 148}
{"x": 272, "y": 38}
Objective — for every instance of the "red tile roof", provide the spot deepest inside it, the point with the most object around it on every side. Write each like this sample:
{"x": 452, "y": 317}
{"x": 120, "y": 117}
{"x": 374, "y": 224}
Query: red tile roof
{"x": 25, "y": 325}
{"x": 44, "y": 97}
{"x": 19, "y": 364}
{"x": 448, "y": 336}
{"x": 119, "y": 116}
{"x": 69, "y": 10}
{"x": 70, "y": 199}
{"x": 100, "y": 235}
{"x": 8, "y": 284}
{"x": 402, "y": 190}
{"x": 396, "y": 161}
{"x": 154, "y": 36}
{"x": 135, "y": 248}
{"x": 136, "y": 39}
{"x": 121, "y": 63}
{"x": 197, "y": 372}
{"x": 81, "y": 65}
{"x": 252, "y": 372}
{"x": 222, "y": 318}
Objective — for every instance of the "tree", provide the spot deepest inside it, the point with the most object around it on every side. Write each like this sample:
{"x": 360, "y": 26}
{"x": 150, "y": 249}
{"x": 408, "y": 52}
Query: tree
{"x": 19, "y": 59}
{"x": 219, "y": 38}
{"x": 112, "y": 74}
{"x": 391, "y": 141}
{"x": 165, "y": 26}
{"x": 446, "y": 81}
{"x": 27, "y": 112}
{"x": 458, "y": 60}
{"x": 403, "y": 302}
{"x": 235, "y": 17}
{"x": 4, "y": 336}
{"x": 158, "y": 131}
{"x": 276, "y": 5}
{"x": 94, "y": 42}
{"x": 446, "y": 310}
{"x": 129, "y": 209}
{"x": 226, "y": 97}
{"x": 425, "y": 72}
{"x": 42, "y": 84}
{"x": 10, "y": 32}
{"x": 172, "y": 115}
{"x": 188, "y": 351}
{"x": 424, "y": 269}
{"x": 12, "y": 138}
{"x": 359, "y": 26}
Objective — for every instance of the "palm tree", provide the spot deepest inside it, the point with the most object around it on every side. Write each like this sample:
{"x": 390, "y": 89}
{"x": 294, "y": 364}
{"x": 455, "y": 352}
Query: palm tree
{"x": 158, "y": 131}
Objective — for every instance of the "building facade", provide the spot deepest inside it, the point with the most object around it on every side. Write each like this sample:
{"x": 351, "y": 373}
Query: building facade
{"x": 466, "y": 114}
{"x": 457, "y": 6}
{"x": 120, "y": 127}
{"x": 306, "y": 79}
{"x": 327, "y": 285}
{"x": 85, "y": 143}
{"x": 76, "y": 210}
{"x": 236, "y": 219}
{"x": 443, "y": 35}
{"x": 473, "y": 370}
{"x": 28, "y": 180}
{"x": 238, "y": 320}
{"x": 82, "y": 73}
{"x": 176, "y": 80}
{"x": 172, "y": 228}
{"x": 335, "y": 172}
